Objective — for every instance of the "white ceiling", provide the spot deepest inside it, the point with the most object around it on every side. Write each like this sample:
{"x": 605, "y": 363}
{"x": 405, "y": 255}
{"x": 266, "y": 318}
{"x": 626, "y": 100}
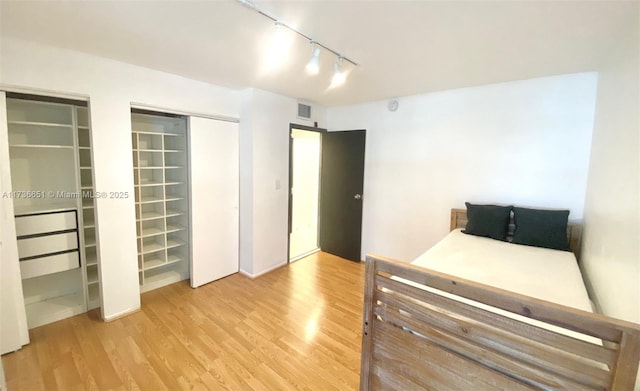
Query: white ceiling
{"x": 402, "y": 47}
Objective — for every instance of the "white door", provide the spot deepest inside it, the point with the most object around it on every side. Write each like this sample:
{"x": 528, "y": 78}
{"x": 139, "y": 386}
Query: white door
{"x": 214, "y": 197}
{"x": 13, "y": 318}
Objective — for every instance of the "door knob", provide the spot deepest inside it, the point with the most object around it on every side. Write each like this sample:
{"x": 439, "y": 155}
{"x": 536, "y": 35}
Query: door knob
{"x": 357, "y": 197}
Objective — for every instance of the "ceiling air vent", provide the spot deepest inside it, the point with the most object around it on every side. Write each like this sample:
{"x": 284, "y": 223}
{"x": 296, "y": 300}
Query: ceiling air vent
{"x": 304, "y": 111}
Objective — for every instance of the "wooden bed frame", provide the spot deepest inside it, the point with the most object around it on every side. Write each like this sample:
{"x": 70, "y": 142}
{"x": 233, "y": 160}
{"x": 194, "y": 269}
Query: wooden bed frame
{"x": 417, "y": 335}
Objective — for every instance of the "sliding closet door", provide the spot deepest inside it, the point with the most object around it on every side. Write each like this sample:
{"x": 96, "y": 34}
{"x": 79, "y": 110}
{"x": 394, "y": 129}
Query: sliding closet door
{"x": 214, "y": 178}
{"x": 13, "y": 318}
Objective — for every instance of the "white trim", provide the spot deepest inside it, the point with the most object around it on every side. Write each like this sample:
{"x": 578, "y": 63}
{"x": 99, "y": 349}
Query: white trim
{"x": 304, "y": 255}
{"x": 120, "y": 314}
{"x": 264, "y": 271}
{"x": 44, "y": 92}
{"x": 142, "y": 106}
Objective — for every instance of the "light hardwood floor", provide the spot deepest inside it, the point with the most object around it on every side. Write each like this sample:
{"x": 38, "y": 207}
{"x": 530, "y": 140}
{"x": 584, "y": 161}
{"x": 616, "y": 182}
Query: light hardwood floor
{"x": 297, "y": 327}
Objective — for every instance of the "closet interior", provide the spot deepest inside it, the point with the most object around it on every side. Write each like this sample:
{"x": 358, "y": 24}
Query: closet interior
{"x": 54, "y": 202}
{"x": 161, "y": 196}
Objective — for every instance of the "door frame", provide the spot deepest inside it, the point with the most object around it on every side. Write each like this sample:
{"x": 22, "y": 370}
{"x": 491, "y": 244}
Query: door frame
{"x": 322, "y": 131}
{"x": 290, "y": 195}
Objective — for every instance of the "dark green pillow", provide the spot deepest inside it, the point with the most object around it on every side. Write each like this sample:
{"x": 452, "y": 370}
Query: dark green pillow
{"x": 541, "y": 228}
{"x": 491, "y": 221}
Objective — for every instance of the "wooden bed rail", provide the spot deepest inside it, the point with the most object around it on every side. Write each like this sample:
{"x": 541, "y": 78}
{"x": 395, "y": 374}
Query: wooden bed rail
{"x": 428, "y": 330}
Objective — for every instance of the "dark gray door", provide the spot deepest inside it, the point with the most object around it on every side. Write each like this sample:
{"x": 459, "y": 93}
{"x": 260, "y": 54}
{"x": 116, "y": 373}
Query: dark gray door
{"x": 341, "y": 186}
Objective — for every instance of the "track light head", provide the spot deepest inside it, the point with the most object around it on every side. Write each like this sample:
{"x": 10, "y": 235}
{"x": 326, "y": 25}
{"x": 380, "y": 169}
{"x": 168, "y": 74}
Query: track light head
{"x": 339, "y": 76}
{"x": 279, "y": 28}
{"x": 313, "y": 66}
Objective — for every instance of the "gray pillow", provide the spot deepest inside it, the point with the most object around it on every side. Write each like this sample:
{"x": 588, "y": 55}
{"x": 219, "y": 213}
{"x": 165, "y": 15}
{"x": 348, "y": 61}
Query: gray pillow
{"x": 541, "y": 228}
{"x": 491, "y": 221}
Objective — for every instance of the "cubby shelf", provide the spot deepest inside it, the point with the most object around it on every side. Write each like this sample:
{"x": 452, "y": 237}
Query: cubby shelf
{"x": 146, "y": 216}
{"x": 149, "y": 232}
{"x": 171, "y": 213}
{"x": 151, "y": 248}
{"x": 171, "y": 243}
{"x": 175, "y": 228}
{"x": 45, "y": 124}
{"x": 150, "y": 200}
{"x": 91, "y": 260}
{"x": 92, "y": 275}
{"x": 36, "y": 146}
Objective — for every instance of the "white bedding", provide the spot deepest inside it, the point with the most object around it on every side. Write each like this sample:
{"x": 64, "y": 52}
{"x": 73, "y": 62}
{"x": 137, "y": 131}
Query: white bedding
{"x": 545, "y": 274}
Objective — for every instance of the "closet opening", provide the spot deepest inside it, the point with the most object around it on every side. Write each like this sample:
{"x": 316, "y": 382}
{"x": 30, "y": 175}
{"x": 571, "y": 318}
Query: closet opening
{"x": 304, "y": 183}
{"x": 161, "y": 183}
{"x": 51, "y": 167}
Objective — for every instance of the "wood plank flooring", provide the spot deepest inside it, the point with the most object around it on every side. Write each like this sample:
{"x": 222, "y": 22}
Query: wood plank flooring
{"x": 296, "y": 328}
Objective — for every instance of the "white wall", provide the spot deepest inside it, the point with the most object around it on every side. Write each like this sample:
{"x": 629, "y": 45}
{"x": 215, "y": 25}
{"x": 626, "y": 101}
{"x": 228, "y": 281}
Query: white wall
{"x": 524, "y": 142}
{"x": 264, "y": 183}
{"x": 111, "y": 86}
{"x": 611, "y": 241}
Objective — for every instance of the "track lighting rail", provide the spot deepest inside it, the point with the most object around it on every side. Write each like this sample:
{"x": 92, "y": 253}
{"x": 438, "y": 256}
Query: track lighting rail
{"x": 249, "y": 4}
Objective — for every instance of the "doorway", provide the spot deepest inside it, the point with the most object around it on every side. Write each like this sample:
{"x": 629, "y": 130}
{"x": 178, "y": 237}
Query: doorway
{"x": 304, "y": 192}
{"x": 326, "y": 197}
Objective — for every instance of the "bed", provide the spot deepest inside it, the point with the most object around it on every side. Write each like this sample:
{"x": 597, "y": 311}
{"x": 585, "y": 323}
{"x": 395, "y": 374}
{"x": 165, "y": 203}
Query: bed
{"x": 462, "y": 325}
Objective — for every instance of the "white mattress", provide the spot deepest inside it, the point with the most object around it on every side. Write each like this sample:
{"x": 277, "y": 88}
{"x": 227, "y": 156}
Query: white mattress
{"x": 545, "y": 274}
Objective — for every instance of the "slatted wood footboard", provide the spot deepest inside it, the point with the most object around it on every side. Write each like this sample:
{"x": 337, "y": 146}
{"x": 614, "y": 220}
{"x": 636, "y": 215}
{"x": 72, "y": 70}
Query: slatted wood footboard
{"x": 419, "y": 332}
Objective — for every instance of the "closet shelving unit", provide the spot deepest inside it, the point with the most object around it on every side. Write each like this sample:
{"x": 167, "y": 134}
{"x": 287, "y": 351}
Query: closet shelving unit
{"x": 160, "y": 176}
{"x": 90, "y": 245}
{"x": 47, "y": 141}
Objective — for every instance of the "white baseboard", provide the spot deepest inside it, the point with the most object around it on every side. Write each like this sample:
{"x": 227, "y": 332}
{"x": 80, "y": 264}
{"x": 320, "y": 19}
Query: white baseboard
{"x": 120, "y": 314}
{"x": 264, "y": 271}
